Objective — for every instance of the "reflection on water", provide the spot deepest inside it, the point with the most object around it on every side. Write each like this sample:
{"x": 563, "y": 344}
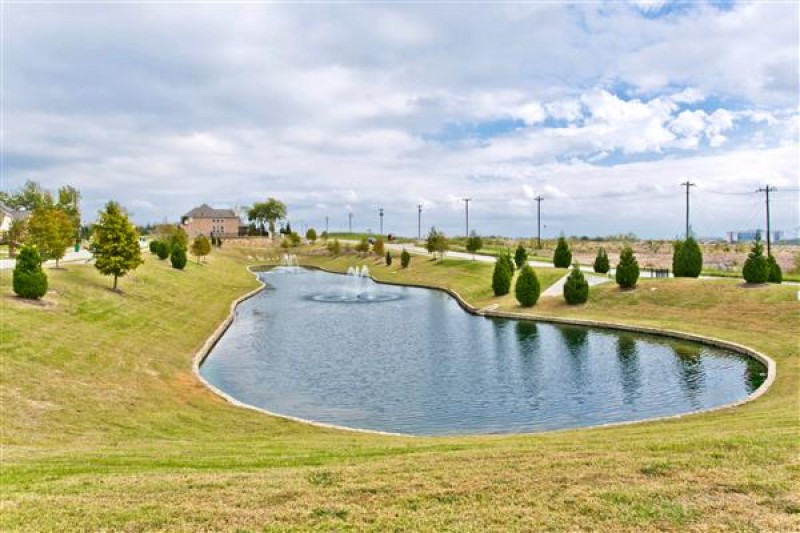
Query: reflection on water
{"x": 417, "y": 363}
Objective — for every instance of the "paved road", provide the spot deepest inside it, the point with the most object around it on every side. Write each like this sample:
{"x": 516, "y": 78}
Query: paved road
{"x": 82, "y": 256}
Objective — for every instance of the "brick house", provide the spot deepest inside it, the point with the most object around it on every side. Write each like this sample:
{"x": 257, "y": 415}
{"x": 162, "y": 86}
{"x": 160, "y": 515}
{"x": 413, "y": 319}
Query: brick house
{"x": 205, "y": 220}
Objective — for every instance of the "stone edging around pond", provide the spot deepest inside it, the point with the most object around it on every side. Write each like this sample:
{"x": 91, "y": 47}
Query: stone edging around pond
{"x": 767, "y": 361}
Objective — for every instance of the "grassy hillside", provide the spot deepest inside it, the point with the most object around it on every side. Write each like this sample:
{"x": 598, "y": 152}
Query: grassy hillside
{"x": 104, "y": 425}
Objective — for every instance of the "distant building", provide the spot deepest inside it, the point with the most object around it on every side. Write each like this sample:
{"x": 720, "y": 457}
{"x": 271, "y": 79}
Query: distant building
{"x": 7, "y": 216}
{"x": 205, "y": 220}
{"x": 749, "y": 235}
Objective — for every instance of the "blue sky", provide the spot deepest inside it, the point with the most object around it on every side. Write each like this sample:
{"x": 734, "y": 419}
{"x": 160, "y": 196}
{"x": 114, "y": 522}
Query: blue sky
{"x": 602, "y": 108}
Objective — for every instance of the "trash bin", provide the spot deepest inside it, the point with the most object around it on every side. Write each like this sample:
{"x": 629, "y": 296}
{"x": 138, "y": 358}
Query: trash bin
{"x": 77, "y": 247}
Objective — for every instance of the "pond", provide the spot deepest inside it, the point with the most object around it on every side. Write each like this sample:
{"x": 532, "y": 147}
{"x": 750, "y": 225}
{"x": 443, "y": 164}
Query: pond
{"x": 345, "y": 350}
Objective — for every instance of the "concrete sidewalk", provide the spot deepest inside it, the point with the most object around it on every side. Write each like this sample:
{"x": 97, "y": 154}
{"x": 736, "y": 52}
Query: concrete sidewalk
{"x": 70, "y": 257}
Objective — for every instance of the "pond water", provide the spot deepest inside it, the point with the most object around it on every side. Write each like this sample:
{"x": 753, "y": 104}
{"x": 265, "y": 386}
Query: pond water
{"x": 344, "y": 350}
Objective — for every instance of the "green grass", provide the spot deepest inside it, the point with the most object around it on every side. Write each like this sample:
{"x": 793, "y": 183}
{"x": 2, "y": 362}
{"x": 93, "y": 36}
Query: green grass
{"x": 105, "y": 427}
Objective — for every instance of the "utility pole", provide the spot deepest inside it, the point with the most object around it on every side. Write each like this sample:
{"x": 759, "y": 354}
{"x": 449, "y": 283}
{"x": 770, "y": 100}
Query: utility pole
{"x": 326, "y": 225}
{"x": 350, "y": 222}
{"x": 466, "y": 211}
{"x": 539, "y": 221}
{"x": 419, "y": 221}
{"x": 766, "y": 190}
{"x": 687, "y": 184}
{"x": 380, "y": 212}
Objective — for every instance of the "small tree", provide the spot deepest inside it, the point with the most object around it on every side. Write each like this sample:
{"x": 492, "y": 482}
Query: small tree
{"x": 29, "y": 280}
{"x": 501, "y": 277}
{"x": 436, "y": 243}
{"x": 405, "y": 258}
{"x": 378, "y": 247}
{"x": 295, "y": 239}
{"x": 562, "y": 257}
{"x": 521, "y": 256}
{"x": 162, "y": 250}
{"x": 335, "y": 247}
{"x": 178, "y": 258}
{"x": 527, "y": 289}
{"x": 363, "y": 246}
{"x": 601, "y": 264}
{"x": 775, "y": 274}
{"x": 52, "y": 231}
{"x": 628, "y": 269}
{"x": 474, "y": 243}
{"x": 506, "y": 258}
{"x": 267, "y": 213}
{"x": 17, "y": 232}
{"x": 311, "y": 235}
{"x": 201, "y": 247}
{"x": 153, "y": 246}
{"x": 687, "y": 259}
{"x": 756, "y": 269}
{"x": 576, "y": 288}
{"x": 388, "y": 258}
{"x": 115, "y": 243}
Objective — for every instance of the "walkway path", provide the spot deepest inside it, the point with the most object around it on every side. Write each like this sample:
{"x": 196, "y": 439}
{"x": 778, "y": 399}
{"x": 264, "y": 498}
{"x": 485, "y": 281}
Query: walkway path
{"x": 70, "y": 257}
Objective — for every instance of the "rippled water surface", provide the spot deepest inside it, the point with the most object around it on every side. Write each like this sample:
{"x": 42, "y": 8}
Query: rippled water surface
{"x": 333, "y": 349}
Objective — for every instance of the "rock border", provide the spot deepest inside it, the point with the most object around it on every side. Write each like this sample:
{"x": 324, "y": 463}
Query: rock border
{"x": 201, "y": 355}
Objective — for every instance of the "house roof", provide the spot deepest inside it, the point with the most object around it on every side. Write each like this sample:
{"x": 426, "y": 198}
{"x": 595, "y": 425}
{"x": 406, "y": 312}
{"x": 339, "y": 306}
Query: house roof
{"x": 206, "y": 211}
{"x": 15, "y": 214}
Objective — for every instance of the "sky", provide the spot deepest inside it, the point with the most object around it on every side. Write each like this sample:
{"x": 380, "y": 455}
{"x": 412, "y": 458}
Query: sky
{"x": 602, "y": 108}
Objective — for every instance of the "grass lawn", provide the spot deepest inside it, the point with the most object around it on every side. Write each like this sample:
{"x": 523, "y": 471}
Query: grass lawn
{"x": 104, "y": 425}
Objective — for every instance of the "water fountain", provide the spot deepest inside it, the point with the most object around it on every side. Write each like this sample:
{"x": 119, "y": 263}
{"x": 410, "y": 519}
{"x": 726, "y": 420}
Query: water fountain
{"x": 289, "y": 264}
{"x": 358, "y": 288}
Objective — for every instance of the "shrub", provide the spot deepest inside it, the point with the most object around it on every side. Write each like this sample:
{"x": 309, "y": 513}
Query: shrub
{"x": 521, "y": 256}
{"x": 178, "y": 258}
{"x": 774, "y": 270}
{"x": 153, "y": 245}
{"x": 335, "y": 247}
{"x": 29, "y": 280}
{"x": 756, "y": 269}
{"x": 687, "y": 259}
{"x": 219, "y": 242}
{"x": 562, "y": 258}
{"x": 388, "y": 258}
{"x": 295, "y": 239}
{"x": 201, "y": 247}
{"x": 436, "y": 242}
{"x": 363, "y": 245}
{"x": 501, "y": 277}
{"x": 627, "y": 269}
{"x": 405, "y": 258}
{"x": 474, "y": 243}
{"x": 527, "y": 288}
{"x": 576, "y": 288}
{"x": 378, "y": 247}
{"x": 509, "y": 262}
{"x": 162, "y": 250}
{"x": 601, "y": 264}
{"x": 311, "y": 234}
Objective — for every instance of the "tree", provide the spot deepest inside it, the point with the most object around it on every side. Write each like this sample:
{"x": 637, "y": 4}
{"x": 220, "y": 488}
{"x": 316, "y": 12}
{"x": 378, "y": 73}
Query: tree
{"x": 51, "y": 231}
{"x": 756, "y": 268}
{"x": 775, "y": 275}
{"x": 436, "y": 243}
{"x": 294, "y": 239}
{"x": 267, "y": 213}
{"x": 115, "y": 243}
{"x": 388, "y": 258}
{"x": 501, "y": 277}
{"x": 601, "y": 264}
{"x": 162, "y": 250}
{"x": 405, "y": 258}
{"x": 562, "y": 257}
{"x": 334, "y": 247}
{"x": 16, "y": 235}
{"x": 363, "y": 245}
{"x": 311, "y": 235}
{"x": 527, "y": 289}
{"x": 201, "y": 247}
{"x": 520, "y": 256}
{"x": 628, "y": 268}
{"x": 29, "y": 280}
{"x": 172, "y": 236}
{"x": 687, "y": 259}
{"x": 576, "y": 288}
{"x": 506, "y": 258}
{"x": 378, "y": 247}
{"x": 474, "y": 243}
{"x": 31, "y": 196}
{"x": 178, "y": 258}
{"x": 69, "y": 201}
{"x": 153, "y": 246}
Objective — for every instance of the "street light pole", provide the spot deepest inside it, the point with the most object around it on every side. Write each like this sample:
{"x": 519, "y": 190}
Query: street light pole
{"x": 466, "y": 212}
{"x": 687, "y": 184}
{"x": 539, "y": 221}
{"x": 350, "y": 222}
{"x": 380, "y": 211}
{"x": 419, "y": 221}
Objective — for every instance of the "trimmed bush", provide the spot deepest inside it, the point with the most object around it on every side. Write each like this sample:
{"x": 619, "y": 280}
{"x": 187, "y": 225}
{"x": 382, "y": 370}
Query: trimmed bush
{"x": 627, "y": 269}
{"x": 687, "y": 259}
{"x": 527, "y": 289}
{"x": 311, "y": 234}
{"x": 405, "y": 259}
{"x": 775, "y": 275}
{"x": 520, "y": 256}
{"x": 334, "y": 247}
{"x": 576, "y": 288}
{"x": 601, "y": 264}
{"x": 162, "y": 250}
{"x": 388, "y": 258}
{"x": 29, "y": 280}
{"x": 562, "y": 257}
{"x": 378, "y": 247}
{"x": 153, "y": 245}
{"x": 756, "y": 269}
{"x": 178, "y": 258}
{"x": 474, "y": 243}
{"x": 501, "y": 277}
{"x": 509, "y": 262}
